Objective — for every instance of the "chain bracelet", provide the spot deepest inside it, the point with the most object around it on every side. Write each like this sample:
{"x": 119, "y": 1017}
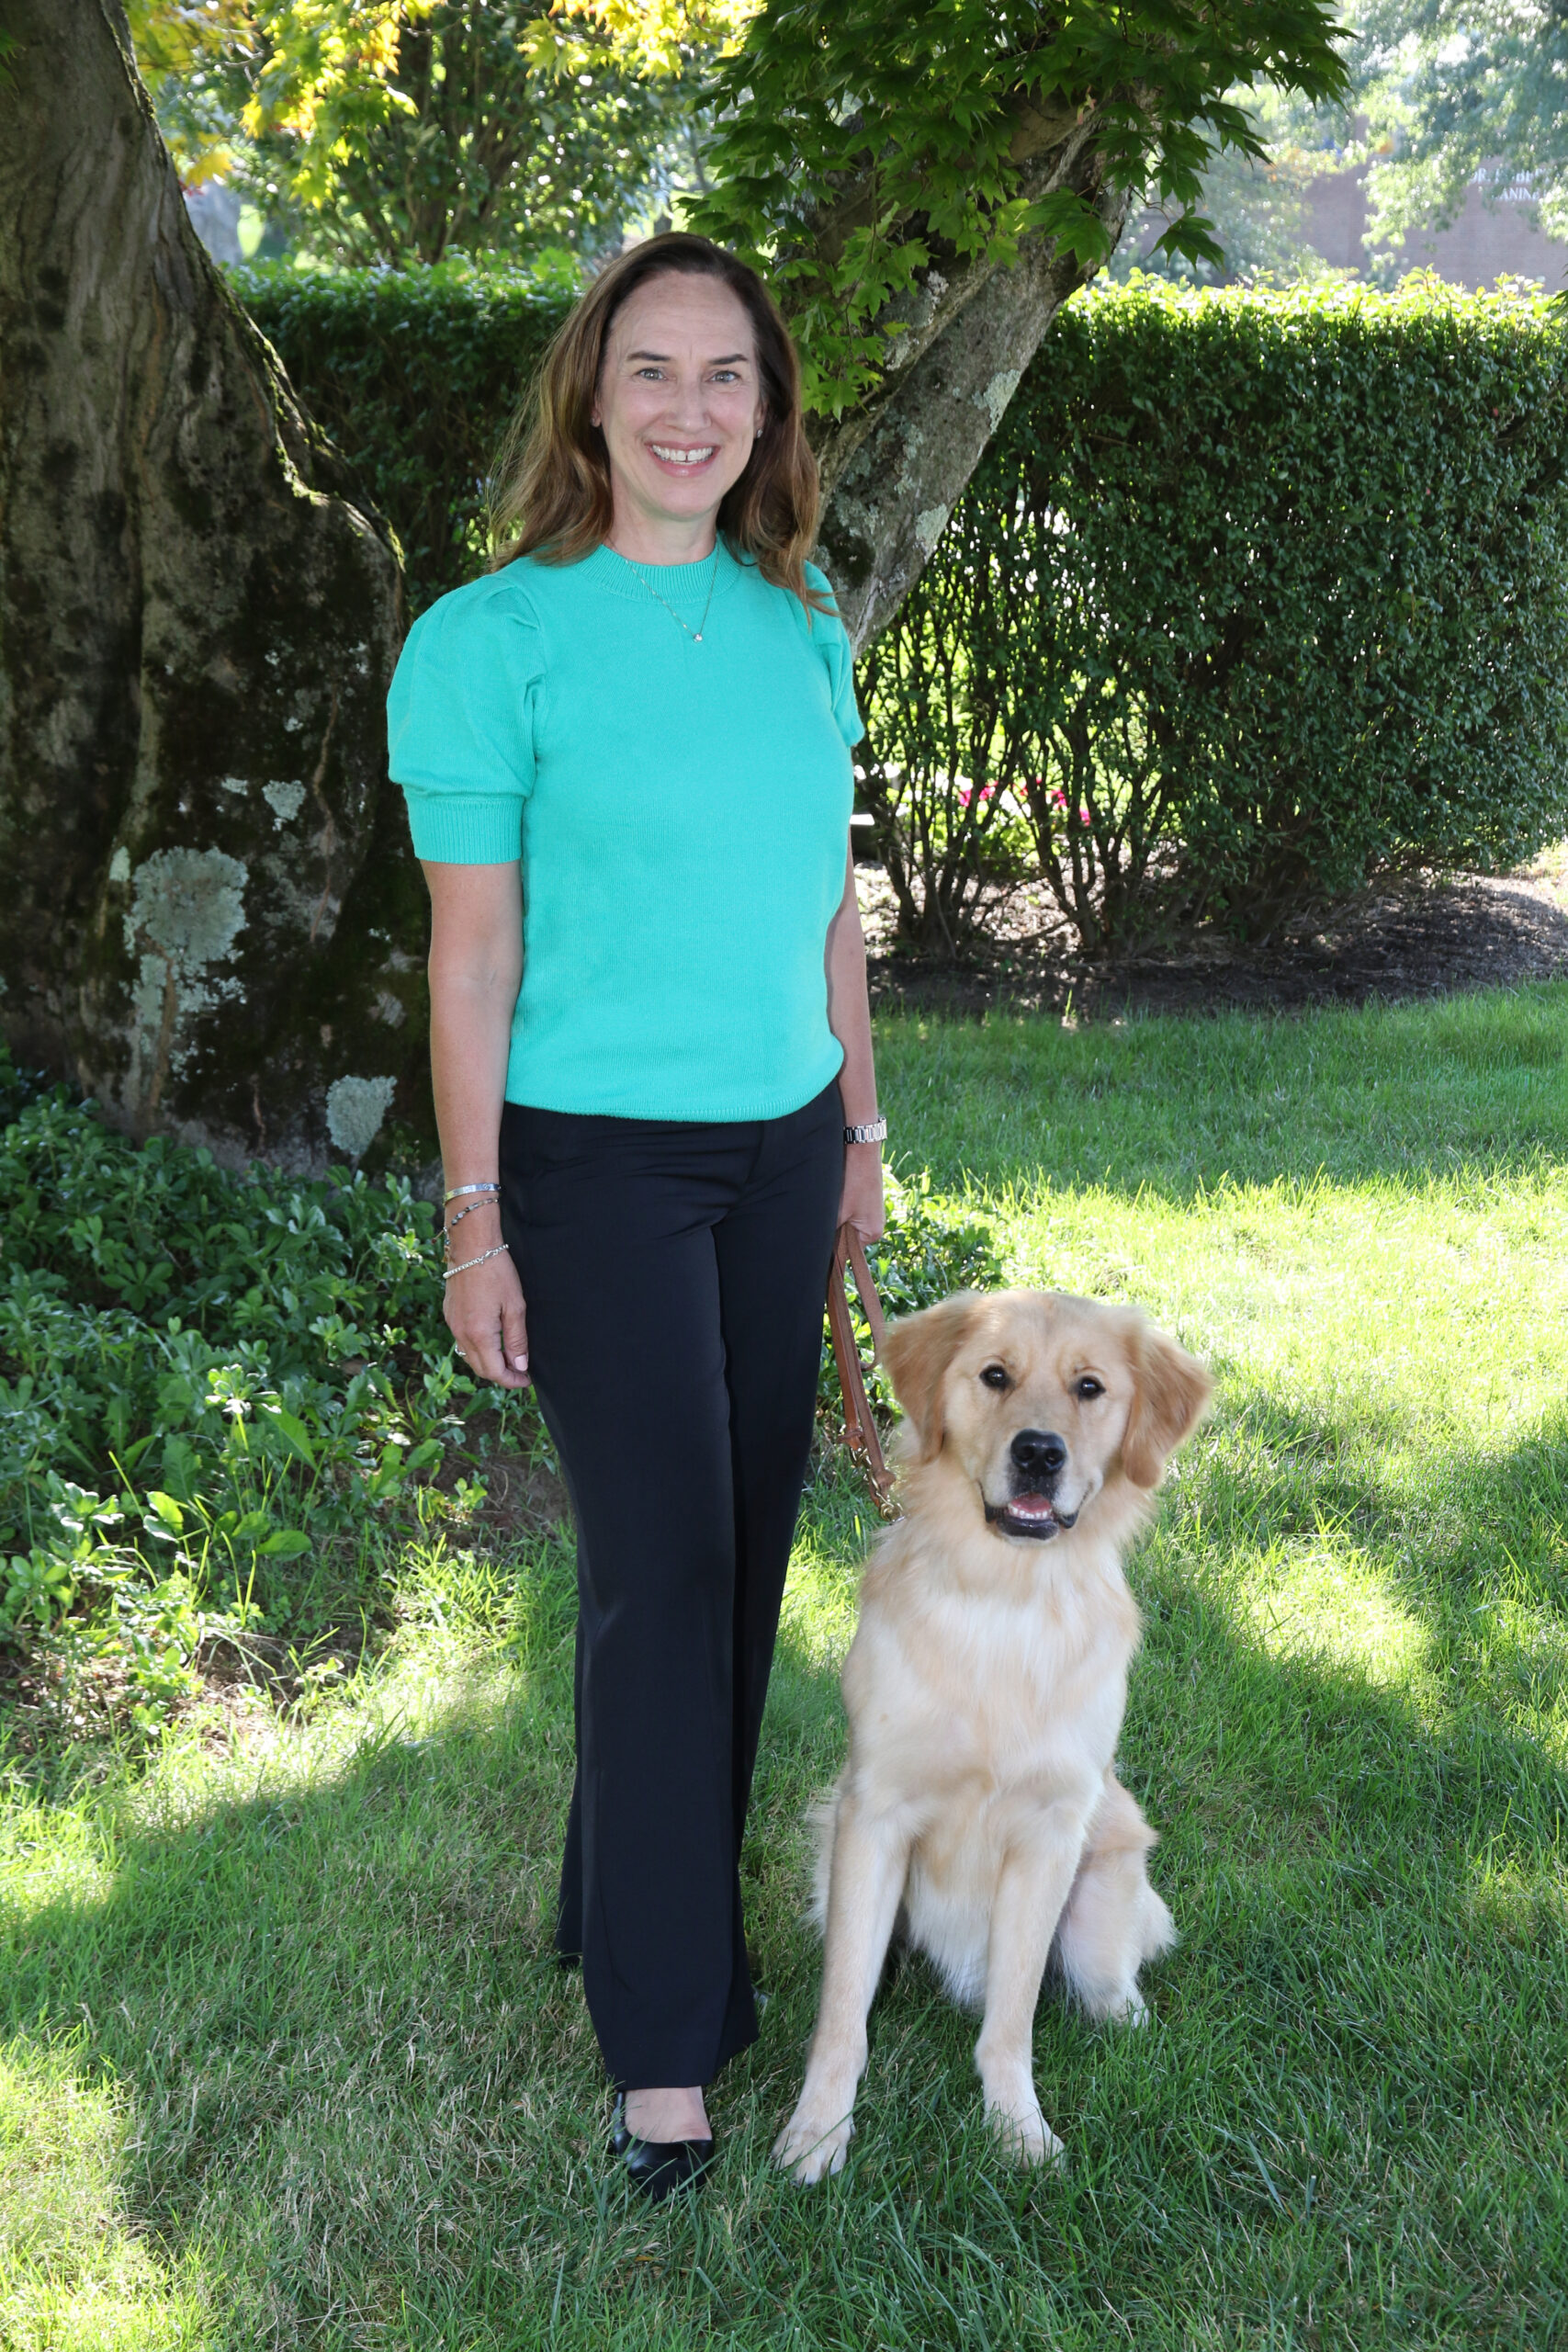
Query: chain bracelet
{"x": 499, "y": 1251}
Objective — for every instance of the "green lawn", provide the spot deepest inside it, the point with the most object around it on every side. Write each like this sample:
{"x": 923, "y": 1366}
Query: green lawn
{"x": 284, "y": 2059}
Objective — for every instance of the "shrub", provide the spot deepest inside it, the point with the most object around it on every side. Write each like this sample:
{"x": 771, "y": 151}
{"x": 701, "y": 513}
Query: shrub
{"x": 414, "y": 373}
{"x": 215, "y": 1390}
{"x": 1254, "y": 596}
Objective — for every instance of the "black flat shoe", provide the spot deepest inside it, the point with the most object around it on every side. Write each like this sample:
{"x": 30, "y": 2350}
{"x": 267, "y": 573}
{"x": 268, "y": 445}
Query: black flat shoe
{"x": 658, "y": 2167}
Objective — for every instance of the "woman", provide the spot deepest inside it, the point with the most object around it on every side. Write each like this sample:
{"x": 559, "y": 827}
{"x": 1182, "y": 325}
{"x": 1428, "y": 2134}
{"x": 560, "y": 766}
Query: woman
{"x": 627, "y": 757}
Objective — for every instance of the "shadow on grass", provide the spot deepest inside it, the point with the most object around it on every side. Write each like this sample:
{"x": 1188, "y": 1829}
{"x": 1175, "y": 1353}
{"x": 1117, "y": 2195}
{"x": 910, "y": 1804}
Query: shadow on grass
{"x": 1169, "y": 1108}
{"x": 363, "y": 2106}
{"x": 1459, "y": 1566}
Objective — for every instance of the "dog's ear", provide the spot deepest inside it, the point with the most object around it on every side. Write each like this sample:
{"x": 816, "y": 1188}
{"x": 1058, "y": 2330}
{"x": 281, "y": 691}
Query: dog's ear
{"x": 916, "y": 1352}
{"x": 1172, "y": 1391}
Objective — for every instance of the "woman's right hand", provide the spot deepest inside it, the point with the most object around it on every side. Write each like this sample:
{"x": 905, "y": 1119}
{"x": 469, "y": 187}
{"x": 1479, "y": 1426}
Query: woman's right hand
{"x": 484, "y": 1308}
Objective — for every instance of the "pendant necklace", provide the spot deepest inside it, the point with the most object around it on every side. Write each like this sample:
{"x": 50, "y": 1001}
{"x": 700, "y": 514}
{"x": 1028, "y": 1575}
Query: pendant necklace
{"x": 694, "y": 634}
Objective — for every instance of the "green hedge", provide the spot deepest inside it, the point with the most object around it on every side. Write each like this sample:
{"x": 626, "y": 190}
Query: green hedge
{"x": 414, "y": 373}
{"x": 1254, "y": 596}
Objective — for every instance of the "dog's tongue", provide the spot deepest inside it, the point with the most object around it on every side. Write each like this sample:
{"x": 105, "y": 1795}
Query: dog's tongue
{"x": 1031, "y": 1507}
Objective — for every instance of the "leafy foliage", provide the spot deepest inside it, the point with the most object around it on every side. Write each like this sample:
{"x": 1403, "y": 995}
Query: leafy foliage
{"x": 395, "y": 131}
{"x": 1441, "y": 98}
{"x": 414, "y": 374}
{"x": 182, "y": 50}
{"x": 861, "y": 147}
{"x": 214, "y": 1388}
{"x": 1259, "y": 207}
{"x": 1252, "y": 596}
{"x": 413, "y": 127}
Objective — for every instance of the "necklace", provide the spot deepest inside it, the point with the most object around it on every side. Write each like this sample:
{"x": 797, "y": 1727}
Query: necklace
{"x": 694, "y": 634}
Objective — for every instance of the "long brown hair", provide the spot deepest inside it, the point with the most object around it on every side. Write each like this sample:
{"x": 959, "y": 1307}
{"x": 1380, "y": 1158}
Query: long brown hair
{"x": 552, "y": 481}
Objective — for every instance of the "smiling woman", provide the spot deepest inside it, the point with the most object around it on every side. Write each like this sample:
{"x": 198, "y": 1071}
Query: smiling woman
{"x": 675, "y": 364}
{"x": 626, "y": 759}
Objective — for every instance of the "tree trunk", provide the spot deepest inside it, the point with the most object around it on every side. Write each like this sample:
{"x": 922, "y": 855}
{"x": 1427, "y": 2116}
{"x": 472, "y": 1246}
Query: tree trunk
{"x": 212, "y": 918}
{"x": 894, "y": 471}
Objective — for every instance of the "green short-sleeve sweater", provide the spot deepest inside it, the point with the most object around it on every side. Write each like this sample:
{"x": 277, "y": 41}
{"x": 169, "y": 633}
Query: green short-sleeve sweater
{"x": 682, "y": 811}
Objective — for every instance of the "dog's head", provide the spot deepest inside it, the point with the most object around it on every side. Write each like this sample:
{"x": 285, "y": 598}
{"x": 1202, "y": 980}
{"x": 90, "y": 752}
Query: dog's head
{"x": 1042, "y": 1400}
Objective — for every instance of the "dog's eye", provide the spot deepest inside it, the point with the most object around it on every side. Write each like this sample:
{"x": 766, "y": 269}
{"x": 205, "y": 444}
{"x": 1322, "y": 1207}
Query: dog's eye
{"x": 1088, "y": 1386}
{"x": 995, "y": 1376}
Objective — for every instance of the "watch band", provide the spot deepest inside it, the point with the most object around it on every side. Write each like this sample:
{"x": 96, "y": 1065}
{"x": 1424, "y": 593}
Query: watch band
{"x": 873, "y": 1131}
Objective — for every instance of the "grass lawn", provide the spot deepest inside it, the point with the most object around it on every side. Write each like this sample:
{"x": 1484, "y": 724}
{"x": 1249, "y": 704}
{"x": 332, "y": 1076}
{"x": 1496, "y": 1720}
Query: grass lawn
{"x": 284, "y": 2059}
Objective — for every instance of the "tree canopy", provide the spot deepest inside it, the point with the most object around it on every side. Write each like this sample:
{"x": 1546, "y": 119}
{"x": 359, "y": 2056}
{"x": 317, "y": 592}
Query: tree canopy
{"x": 850, "y": 145}
{"x": 1454, "y": 94}
{"x": 865, "y": 149}
{"x": 399, "y": 131}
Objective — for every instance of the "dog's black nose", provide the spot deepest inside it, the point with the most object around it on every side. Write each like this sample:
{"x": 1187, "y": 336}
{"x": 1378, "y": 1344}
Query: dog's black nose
{"x": 1039, "y": 1453}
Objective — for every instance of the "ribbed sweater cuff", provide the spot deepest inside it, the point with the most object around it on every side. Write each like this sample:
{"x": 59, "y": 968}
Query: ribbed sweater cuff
{"x": 455, "y": 828}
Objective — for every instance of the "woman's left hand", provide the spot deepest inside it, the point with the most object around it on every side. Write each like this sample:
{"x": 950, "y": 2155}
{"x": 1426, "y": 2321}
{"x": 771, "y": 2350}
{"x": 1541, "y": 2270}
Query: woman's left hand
{"x": 860, "y": 1203}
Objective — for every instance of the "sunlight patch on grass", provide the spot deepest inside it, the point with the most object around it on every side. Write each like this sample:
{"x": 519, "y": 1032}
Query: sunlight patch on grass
{"x": 1322, "y": 1598}
{"x": 50, "y": 1853}
{"x": 818, "y": 1617}
{"x": 1520, "y": 1906}
{"x": 72, "y": 2279}
{"x": 1408, "y": 1319}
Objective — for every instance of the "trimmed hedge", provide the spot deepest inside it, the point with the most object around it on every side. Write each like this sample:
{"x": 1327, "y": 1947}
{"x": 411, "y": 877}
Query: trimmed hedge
{"x": 414, "y": 373}
{"x": 1254, "y": 596}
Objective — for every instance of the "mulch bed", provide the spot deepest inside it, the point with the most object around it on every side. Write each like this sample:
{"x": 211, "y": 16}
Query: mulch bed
{"x": 1422, "y": 936}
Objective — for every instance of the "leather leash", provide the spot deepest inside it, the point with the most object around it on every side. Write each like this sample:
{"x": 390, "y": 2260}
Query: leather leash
{"x": 859, "y": 1425}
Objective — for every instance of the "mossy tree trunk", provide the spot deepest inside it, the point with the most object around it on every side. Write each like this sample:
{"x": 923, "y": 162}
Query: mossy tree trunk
{"x": 211, "y": 917}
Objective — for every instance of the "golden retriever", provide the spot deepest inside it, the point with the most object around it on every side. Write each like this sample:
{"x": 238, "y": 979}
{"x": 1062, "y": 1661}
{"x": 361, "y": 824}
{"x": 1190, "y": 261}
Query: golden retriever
{"x": 985, "y": 1689}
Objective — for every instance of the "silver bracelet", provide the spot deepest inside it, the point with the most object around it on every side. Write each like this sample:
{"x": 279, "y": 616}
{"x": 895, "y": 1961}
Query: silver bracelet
{"x": 498, "y": 1251}
{"x": 873, "y": 1131}
{"x": 458, "y": 1190}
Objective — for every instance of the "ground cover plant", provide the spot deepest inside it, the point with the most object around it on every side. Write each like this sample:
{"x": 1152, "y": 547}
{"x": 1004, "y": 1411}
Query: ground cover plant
{"x": 284, "y": 2058}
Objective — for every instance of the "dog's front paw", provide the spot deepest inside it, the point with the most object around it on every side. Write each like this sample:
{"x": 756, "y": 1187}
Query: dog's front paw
{"x": 1025, "y": 2133}
{"x": 808, "y": 2149}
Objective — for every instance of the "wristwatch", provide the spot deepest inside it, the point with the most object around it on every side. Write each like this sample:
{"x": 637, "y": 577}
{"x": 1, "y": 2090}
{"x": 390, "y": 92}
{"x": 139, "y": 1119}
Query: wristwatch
{"x": 874, "y": 1131}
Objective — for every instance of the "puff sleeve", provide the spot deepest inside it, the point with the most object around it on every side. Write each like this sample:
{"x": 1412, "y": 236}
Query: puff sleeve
{"x": 460, "y": 722}
{"x": 832, "y": 641}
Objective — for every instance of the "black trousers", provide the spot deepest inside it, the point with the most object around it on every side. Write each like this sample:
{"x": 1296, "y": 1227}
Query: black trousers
{"x": 674, "y": 1275}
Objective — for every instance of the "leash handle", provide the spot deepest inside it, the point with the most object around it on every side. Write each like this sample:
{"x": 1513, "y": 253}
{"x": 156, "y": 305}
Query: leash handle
{"x": 859, "y": 1425}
